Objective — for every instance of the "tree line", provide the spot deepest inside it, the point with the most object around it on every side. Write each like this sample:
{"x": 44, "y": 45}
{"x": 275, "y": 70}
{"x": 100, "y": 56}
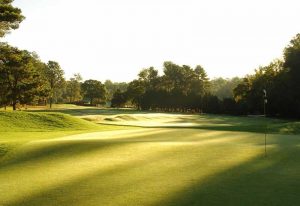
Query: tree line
{"x": 179, "y": 89}
{"x": 182, "y": 89}
{"x": 281, "y": 80}
{"x": 25, "y": 79}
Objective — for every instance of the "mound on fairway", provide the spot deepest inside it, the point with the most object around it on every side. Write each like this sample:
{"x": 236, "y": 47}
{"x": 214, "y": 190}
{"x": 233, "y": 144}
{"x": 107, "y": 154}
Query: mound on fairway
{"x": 39, "y": 121}
{"x": 203, "y": 121}
{"x": 151, "y": 166}
{"x": 18, "y": 128}
{"x": 163, "y": 159}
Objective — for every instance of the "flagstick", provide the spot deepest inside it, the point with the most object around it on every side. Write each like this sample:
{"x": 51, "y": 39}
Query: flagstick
{"x": 265, "y": 102}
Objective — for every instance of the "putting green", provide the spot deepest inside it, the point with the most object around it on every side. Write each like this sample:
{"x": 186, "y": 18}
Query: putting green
{"x": 212, "y": 161}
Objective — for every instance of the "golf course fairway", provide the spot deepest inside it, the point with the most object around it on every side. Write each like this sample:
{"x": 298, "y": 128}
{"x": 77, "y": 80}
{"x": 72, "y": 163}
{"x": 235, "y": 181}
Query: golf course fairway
{"x": 135, "y": 158}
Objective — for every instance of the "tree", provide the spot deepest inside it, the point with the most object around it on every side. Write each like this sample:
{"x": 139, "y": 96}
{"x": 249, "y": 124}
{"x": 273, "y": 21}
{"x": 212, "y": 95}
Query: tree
{"x": 229, "y": 106}
{"x": 73, "y": 88}
{"x": 135, "y": 91}
{"x": 181, "y": 88}
{"x": 20, "y": 77}
{"x": 292, "y": 65}
{"x": 55, "y": 77}
{"x": 10, "y": 17}
{"x": 223, "y": 88}
{"x": 250, "y": 91}
{"x": 211, "y": 104}
{"x": 175, "y": 77}
{"x": 202, "y": 76}
{"x": 94, "y": 89}
{"x": 149, "y": 77}
{"x": 119, "y": 99}
{"x": 112, "y": 87}
{"x": 4, "y": 90}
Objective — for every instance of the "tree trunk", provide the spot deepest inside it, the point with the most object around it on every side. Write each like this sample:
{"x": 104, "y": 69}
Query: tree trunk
{"x": 14, "y": 105}
{"x": 51, "y": 102}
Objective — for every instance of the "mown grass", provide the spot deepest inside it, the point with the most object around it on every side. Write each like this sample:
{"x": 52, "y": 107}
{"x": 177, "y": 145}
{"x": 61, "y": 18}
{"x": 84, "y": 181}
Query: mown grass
{"x": 19, "y": 127}
{"x": 205, "y": 121}
{"x": 154, "y": 167}
{"x": 28, "y": 121}
{"x": 170, "y": 159}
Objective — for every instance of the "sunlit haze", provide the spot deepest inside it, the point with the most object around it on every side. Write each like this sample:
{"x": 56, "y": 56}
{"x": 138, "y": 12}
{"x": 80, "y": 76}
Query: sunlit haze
{"x": 115, "y": 39}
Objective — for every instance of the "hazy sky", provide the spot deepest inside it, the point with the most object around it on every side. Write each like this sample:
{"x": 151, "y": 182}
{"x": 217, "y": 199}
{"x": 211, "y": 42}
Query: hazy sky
{"x": 115, "y": 39}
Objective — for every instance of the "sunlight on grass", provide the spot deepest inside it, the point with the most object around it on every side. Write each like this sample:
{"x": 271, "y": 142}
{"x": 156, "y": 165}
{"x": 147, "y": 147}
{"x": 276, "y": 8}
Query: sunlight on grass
{"x": 160, "y": 159}
{"x": 48, "y": 173}
{"x": 145, "y": 165}
{"x": 110, "y": 135}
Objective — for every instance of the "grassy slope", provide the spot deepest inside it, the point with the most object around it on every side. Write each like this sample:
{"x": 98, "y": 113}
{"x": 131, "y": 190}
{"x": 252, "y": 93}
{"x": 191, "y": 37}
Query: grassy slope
{"x": 17, "y": 128}
{"x": 27, "y": 121}
{"x": 129, "y": 117}
{"x": 209, "y": 122}
{"x": 218, "y": 162}
{"x": 154, "y": 167}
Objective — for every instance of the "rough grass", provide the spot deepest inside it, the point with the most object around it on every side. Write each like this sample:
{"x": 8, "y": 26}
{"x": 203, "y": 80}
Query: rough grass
{"x": 181, "y": 160}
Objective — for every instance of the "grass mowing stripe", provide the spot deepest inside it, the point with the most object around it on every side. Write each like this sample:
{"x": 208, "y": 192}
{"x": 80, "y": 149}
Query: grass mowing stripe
{"x": 18, "y": 127}
{"x": 219, "y": 163}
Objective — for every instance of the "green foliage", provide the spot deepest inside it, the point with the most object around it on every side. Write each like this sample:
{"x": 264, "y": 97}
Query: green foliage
{"x": 281, "y": 81}
{"x": 112, "y": 87}
{"x": 135, "y": 91}
{"x": 223, "y": 88}
{"x": 185, "y": 79}
{"x": 292, "y": 66}
{"x": 20, "y": 78}
{"x": 149, "y": 77}
{"x": 211, "y": 104}
{"x": 276, "y": 80}
{"x": 94, "y": 90}
{"x": 119, "y": 99}
{"x": 55, "y": 79}
{"x": 10, "y": 17}
{"x": 179, "y": 89}
{"x": 182, "y": 88}
{"x": 73, "y": 89}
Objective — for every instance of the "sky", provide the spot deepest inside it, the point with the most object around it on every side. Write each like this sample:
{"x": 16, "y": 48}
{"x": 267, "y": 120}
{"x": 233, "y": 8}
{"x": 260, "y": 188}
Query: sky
{"x": 115, "y": 39}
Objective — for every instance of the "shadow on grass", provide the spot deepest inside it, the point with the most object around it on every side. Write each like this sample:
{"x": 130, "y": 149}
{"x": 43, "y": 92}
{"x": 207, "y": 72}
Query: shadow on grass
{"x": 40, "y": 151}
{"x": 221, "y": 123}
{"x": 274, "y": 180}
{"x": 238, "y": 127}
{"x": 92, "y": 111}
{"x": 206, "y": 121}
{"x": 77, "y": 192}
{"x": 243, "y": 124}
{"x": 59, "y": 149}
